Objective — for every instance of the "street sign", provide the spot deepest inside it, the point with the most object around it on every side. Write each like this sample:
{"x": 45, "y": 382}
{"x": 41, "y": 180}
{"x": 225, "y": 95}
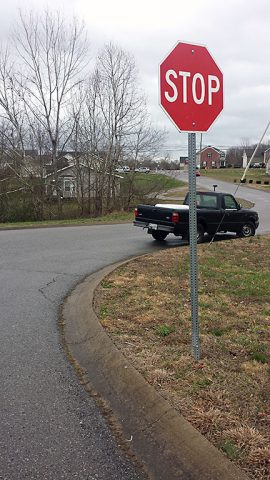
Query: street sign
{"x": 191, "y": 87}
{"x": 191, "y": 93}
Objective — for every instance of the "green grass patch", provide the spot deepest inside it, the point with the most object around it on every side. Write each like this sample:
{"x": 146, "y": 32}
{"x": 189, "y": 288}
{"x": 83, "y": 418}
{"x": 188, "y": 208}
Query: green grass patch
{"x": 141, "y": 188}
{"x": 230, "y": 449}
{"x": 201, "y": 383}
{"x": 104, "y": 311}
{"x": 164, "y": 330}
{"x": 156, "y": 181}
{"x": 259, "y": 357}
{"x": 231, "y": 174}
{"x": 217, "y": 332}
{"x": 106, "y": 284}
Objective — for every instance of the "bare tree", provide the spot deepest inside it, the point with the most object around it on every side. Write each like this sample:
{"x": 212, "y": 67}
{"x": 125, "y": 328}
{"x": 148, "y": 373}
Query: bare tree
{"x": 12, "y": 111}
{"x": 88, "y": 142}
{"x": 120, "y": 105}
{"x": 116, "y": 121}
{"x": 52, "y": 55}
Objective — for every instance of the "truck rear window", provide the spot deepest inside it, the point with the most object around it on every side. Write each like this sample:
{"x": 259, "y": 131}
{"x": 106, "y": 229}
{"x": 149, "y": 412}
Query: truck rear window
{"x": 204, "y": 200}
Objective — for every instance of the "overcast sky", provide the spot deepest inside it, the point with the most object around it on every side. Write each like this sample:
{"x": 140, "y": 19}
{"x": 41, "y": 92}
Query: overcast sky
{"x": 236, "y": 33}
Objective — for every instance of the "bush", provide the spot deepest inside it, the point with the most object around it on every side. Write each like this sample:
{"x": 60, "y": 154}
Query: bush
{"x": 17, "y": 209}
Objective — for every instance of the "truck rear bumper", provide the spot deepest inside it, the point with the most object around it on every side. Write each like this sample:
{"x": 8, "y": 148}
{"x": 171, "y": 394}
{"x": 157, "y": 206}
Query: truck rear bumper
{"x": 154, "y": 226}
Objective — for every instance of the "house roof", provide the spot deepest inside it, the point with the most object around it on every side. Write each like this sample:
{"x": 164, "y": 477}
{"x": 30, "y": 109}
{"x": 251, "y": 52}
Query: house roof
{"x": 74, "y": 165}
{"x": 213, "y": 148}
{"x": 60, "y": 170}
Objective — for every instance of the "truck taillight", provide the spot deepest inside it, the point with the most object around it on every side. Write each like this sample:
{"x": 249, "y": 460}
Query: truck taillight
{"x": 136, "y": 213}
{"x": 175, "y": 217}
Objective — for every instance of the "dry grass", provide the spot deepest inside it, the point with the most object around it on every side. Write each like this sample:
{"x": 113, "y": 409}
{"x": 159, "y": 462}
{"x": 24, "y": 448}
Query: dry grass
{"x": 145, "y": 307}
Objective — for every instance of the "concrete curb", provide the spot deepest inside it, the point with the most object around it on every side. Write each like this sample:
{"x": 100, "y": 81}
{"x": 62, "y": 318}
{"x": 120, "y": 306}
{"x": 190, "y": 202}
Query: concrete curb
{"x": 165, "y": 443}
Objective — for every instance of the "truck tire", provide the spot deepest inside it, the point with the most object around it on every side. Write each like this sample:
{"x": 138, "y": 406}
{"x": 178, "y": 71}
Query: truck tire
{"x": 247, "y": 230}
{"x": 200, "y": 233}
{"x": 159, "y": 235}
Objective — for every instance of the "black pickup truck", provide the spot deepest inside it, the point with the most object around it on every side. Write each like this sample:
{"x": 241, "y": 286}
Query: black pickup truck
{"x": 216, "y": 212}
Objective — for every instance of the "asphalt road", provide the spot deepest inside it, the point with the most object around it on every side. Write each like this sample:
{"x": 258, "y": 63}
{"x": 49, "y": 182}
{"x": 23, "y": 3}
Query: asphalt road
{"x": 50, "y": 429}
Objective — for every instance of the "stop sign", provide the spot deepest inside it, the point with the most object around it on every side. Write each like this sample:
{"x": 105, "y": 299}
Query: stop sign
{"x": 191, "y": 87}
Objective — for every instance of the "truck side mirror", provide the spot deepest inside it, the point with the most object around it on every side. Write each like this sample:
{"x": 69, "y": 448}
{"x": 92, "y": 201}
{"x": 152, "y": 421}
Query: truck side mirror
{"x": 239, "y": 206}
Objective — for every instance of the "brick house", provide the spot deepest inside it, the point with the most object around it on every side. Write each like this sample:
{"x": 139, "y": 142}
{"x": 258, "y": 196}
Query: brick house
{"x": 210, "y": 157}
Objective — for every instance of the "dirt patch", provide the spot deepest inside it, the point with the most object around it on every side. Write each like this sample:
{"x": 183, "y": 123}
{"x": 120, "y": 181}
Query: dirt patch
{"x": 145, "y": 307}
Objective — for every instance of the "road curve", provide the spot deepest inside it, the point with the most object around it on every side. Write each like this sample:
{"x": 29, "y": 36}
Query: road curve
{"x": 50, "y": 429}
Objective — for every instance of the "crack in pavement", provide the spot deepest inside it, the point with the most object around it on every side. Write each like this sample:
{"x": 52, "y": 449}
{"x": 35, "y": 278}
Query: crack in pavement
{"x": 41, "y": 290}
{"x": 154, "y": 422}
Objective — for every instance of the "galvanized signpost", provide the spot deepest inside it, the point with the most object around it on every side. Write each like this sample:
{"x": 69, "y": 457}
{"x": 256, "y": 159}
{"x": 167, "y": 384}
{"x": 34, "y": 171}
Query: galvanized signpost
{"x": 191, "y": 93}
{"x": 193, "y": 244}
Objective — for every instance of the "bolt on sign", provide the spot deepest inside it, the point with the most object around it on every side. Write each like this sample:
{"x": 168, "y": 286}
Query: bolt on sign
{"x": 191, "y": 87}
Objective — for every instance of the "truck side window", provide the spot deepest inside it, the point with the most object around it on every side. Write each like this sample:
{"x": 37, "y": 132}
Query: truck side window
{"x": 229, "y": 203}
{"x": 208, "y": 201}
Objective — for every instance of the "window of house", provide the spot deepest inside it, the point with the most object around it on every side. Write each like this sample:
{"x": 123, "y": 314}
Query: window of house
{"x": 67, "y": 185}
{"x": 204, "y": 163}
{"x": 213, "y": 163}
{"x": 209, "y": 155}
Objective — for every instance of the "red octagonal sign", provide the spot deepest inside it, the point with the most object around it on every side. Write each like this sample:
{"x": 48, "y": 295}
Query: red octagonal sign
{"x": 191, "y": 87}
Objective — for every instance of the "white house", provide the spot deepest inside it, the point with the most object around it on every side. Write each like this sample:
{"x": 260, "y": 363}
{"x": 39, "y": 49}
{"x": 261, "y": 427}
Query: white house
{"x": 78, "y": 180}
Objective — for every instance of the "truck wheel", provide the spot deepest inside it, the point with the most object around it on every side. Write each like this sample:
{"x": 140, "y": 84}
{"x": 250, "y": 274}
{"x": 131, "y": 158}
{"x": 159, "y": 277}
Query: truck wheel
{"x": 247, "y": 230}
{"x": 159, "y": 235}
{"x": 200, "y": 233}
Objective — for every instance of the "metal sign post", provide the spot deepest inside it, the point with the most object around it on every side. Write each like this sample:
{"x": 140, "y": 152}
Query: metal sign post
{"x": 193, "y": 245}
{"x": 191, "y": 93}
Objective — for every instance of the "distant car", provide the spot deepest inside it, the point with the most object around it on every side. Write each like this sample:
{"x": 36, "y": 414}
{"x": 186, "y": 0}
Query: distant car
{"x": 124, "y": 169}
{"x": 142, "y": 170}
{"x": 198, "y": 173}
